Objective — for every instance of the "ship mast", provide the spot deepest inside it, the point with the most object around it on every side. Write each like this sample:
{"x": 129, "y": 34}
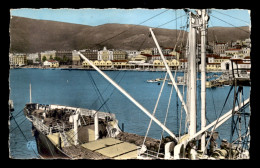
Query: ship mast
{"x": 204, "y": 18}
{"x": 192, "y": 76}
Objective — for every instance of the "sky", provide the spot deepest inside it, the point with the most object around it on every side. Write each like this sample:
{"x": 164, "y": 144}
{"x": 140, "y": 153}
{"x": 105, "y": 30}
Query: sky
{"x": 162, "y": 18}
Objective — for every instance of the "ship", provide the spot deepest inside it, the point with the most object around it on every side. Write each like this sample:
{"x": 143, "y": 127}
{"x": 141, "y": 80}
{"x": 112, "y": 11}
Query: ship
{"x": 77, "y": 133}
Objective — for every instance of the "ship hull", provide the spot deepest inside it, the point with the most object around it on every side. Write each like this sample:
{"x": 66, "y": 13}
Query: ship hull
{"x": 45, "y": 147}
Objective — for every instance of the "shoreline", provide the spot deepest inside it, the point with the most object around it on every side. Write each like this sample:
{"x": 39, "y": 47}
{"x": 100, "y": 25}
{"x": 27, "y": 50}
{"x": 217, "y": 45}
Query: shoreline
{"x": 103, "y": 69}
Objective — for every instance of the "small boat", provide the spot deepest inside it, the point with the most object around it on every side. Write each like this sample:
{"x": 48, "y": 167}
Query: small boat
{"x": 155, "y": 80}
{"x": 152, "y": 81}
{"x": 178, "y": 83}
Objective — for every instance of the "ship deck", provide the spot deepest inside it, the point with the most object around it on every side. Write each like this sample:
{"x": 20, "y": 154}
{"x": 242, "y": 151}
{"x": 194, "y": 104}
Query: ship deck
{"x": 113, "y": 148}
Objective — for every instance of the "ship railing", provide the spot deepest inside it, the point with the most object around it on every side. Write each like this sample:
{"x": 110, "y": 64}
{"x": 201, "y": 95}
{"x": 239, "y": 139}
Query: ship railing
{"x": 91, "y": 113}
{"x": 152, "y": 154}
{"x": 39, "y": 125}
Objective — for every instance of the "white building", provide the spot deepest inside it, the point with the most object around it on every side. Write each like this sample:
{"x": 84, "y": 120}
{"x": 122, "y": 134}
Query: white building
{"x": 132, "y": 53}
{"x": 105, "y": 54}
{"x": 233, "y": 51}
{"x": 48, "y": 54}
{"x": 243, "y": 65}
{"x": 246, "y": 51}
{"x": 33, "y": 57}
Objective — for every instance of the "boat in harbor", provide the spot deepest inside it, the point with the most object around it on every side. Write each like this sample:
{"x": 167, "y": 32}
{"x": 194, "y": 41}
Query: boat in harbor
{"x": 78, "y": 133}
{"x": 155, "y": 80}
{"x": 180, "y": 81}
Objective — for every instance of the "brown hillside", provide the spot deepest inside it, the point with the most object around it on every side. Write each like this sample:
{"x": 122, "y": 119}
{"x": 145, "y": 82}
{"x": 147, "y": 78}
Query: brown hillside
{"x": 31, "y": 35}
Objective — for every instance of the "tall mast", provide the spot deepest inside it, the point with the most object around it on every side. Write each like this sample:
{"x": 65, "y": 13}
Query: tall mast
{"x": 204, "y": 18}
{"x": 192, "y": 76}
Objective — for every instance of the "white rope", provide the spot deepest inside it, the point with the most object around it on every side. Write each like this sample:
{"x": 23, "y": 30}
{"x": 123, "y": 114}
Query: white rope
{"x": 154, "y": 110}
{"x": 169, "y": 102}
{"x": 165, "y": 119}
{"x": 181, "y": 114}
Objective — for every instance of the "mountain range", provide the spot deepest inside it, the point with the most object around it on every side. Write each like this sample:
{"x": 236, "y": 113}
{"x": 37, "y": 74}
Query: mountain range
{"x": 31, "y": 35}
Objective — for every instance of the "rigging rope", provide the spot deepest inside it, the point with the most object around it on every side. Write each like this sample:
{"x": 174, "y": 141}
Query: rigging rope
{"x": 218, "y": 119}
{"x": 164, "y": 123}
{"x": 97, "y": 90}
{"x": 23, "y": 134}
{"x": 154, "y": 110}
{"x": 132, "y": 27}
{"x": 231, "y": 16}
{"x": 17, "y": 126}
{"x": 230, "y": 24}
{"x": 105, "y": 88}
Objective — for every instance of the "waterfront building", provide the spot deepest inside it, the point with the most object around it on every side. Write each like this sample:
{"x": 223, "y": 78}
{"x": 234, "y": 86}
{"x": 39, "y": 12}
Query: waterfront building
{"x": 47, "y": 55}
{"x": 176, "y": 54}
{"x": 140, "y": 57}
{"x": 157, "y": 63}
{"x": 64, "y": 57}
{"x": 246, "y": 51}
{"x": 247, "y": 43}
{"x": 96, "y": 62}
{"x": 51, "y": 63}
{"x": 242, "y": 66}
{"x": 119, "y": 55}
{"x": 90, "y": 54}
{"x": 213, "y": 67}
{"x": 167, "y": 57}
{"x": 173, "y": 64}
{"x": 86, "y": 64}
{"x": 17, "y": 59}
{"x": 132, "y": 53}
{"x": 233, "y": 51}
{"x": 119, "y": 63}
{"x": 76, "y": 58}
{"x": 211, "y": 58}
{"x": 183, "y": 63}
{"x": 105, "y": 54}
{"x": 148, "y": 51}
{"x": 219, "y": 48}
{"x": 33, "y": 58}
{"x": 165, "y": 51}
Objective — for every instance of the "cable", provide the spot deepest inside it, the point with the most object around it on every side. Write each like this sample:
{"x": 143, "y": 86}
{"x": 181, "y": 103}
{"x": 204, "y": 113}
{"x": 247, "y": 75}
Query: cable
{"x": 155, "y": 107}
{"x": 23, "y": 134}
{"x": 132, "y": 27}
{"x": 17, "y": 126}
{"x": 230, "y": 24}
{"x": 105, "y": 89}
{"x": 97, "y": 90}
{"x": 144, "y": 40}
{"x": 169, "y": 21}
{"x": 218, "y": 118}
{"x": 231, "y": 16}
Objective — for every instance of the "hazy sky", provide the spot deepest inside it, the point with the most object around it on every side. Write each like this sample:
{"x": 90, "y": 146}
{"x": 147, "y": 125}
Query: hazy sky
{"x": 162, "y": 17}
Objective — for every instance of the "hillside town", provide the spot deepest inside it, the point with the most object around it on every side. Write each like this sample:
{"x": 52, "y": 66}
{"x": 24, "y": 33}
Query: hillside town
{"x": 218, "y": 58}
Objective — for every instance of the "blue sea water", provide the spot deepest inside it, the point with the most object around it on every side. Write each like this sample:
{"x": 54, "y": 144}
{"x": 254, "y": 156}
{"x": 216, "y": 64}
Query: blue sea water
{"x": 76, "y": 88}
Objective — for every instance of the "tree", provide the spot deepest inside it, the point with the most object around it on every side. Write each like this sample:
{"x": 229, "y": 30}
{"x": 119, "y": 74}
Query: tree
{"x": 44, "y": 58}
{"x": 51, "y": 57}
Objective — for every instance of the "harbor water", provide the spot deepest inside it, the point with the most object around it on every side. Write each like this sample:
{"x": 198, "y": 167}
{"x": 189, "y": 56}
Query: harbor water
{"x": 83, "y": 88}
